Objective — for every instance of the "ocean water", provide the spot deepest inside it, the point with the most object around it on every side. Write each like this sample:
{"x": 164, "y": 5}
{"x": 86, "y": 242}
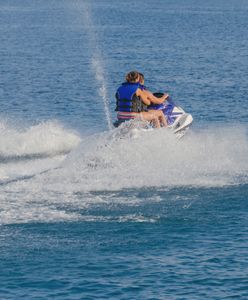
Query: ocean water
{"x": 87, "y": 213}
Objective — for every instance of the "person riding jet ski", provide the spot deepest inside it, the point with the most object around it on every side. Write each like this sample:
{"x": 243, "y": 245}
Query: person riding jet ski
{"x": 132, "y": 102}
{"x": 155, "y": 98}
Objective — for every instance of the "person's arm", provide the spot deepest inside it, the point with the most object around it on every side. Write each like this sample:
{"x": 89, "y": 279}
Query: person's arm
{"x": 144, "y": 97}
{"x": 155, "y": 99}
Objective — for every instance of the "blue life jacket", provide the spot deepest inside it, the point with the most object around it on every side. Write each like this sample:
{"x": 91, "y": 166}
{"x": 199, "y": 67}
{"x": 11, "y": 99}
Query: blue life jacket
{"x": 127, "y": 100}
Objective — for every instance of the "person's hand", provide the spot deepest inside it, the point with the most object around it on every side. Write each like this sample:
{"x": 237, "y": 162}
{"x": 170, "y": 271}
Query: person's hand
{"x": 166, "y": 96}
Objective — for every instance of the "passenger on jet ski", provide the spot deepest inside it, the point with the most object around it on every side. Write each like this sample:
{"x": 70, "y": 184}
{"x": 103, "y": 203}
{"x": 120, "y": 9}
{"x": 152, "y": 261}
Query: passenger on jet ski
{"x": 153, "y": 99}
{"x": 132, "y": 102}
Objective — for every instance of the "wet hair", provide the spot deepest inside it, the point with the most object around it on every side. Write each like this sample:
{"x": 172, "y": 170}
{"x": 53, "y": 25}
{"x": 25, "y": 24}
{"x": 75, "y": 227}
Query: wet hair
{"x": 132, "y": 76}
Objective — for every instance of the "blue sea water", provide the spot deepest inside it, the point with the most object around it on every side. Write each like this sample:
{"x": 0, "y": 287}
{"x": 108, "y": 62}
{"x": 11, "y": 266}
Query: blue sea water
{"x": 85, "y": 214}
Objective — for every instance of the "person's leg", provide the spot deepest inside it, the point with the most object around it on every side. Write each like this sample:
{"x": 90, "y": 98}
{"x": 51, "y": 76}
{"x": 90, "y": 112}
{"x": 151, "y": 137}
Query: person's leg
{"x": 160, "y": 116}
{"x": 151, "y": 117}
{"x": 162, "y": 119}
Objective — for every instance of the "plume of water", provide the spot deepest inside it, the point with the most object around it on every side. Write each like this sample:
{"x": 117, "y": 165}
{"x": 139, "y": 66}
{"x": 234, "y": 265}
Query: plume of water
{"x": 97, "y": 62}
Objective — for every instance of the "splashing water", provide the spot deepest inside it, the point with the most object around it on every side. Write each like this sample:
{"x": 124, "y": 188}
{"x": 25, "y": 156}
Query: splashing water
{"x": 96, "y": 60}
{"x": 110, "y": 161}
{"x": 157, "y": 158}
{"x": 29, "y": 151}
{"x": 44, "y": 139}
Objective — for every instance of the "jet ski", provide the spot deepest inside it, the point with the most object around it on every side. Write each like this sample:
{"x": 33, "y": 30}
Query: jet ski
{"x": 178, "y": 120}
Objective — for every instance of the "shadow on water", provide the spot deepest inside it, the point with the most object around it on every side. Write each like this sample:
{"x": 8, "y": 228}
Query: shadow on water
{"x": 23, "y": 178}
{"x": 28, "y": 157}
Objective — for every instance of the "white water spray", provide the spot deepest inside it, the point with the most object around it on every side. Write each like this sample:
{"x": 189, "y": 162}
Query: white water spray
{"x": 96, "y": 60}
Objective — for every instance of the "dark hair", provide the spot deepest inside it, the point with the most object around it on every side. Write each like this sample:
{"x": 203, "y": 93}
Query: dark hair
{"x": 132, "y": 76}
{"x": 142, "y": 76}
